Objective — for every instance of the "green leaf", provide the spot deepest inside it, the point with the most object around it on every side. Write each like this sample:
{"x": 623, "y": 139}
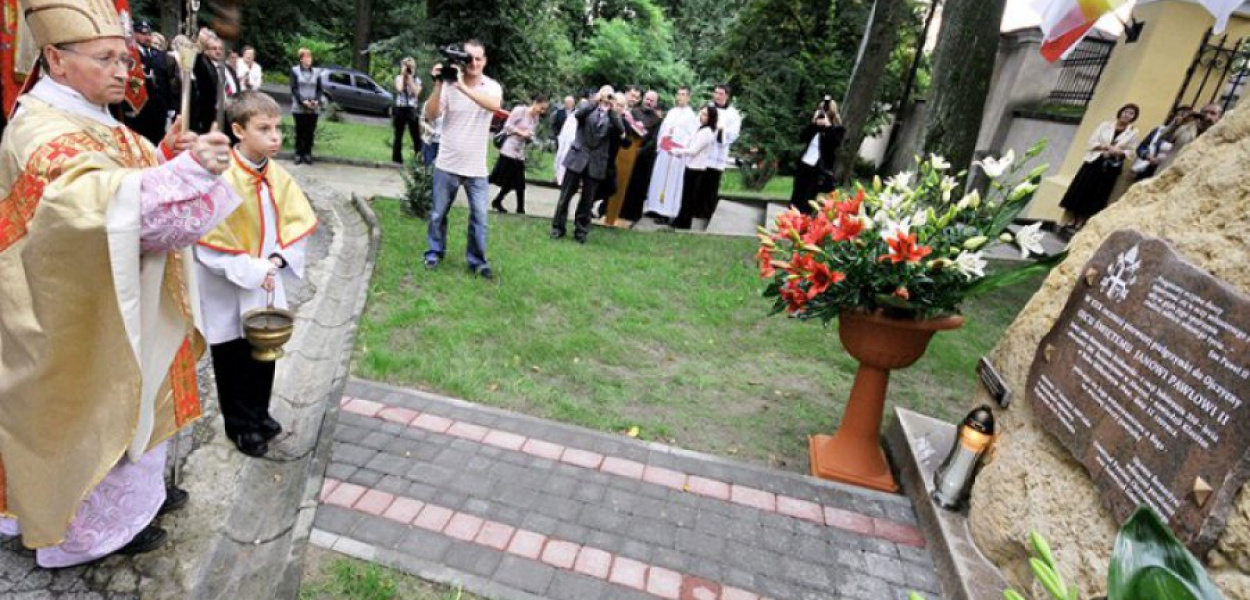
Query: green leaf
{"x": 915, "y": 596}
{"x": 1012, "y": 595}
{"x": 1042, "y": 548}
{"x": 1049, "y": 579}
{"x": 1148, "y": 562}
{"x": 1010, "y": 277}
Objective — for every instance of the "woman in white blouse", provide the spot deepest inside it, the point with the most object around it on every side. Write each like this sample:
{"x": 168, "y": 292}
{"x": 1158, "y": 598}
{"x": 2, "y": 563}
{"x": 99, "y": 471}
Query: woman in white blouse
{"x": 695, "y": 188}
{"x": 1091, "y": 188}
{"x": 248, "y": 71}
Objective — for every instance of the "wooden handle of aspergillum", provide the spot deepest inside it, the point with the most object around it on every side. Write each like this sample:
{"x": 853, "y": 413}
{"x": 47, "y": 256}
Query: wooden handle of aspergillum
{"x": 187, "y": 51}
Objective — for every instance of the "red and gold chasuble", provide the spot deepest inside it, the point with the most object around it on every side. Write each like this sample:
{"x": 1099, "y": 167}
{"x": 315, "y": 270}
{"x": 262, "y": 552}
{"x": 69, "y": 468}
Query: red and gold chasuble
{"x": 70, "y": 391}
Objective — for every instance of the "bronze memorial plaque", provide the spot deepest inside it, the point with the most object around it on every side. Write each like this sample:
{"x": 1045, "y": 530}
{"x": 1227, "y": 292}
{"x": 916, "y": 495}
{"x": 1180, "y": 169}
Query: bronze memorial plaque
{"x": 1143, "y": 379}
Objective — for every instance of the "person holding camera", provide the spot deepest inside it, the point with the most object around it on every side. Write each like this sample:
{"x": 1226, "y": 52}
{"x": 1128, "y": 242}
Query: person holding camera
{"x": 814, "y": 173}
{"x": 509, "y": 172}
{"x": 466, "y": 100}
{"x": 404, "y": 115}
{"x": 586, "y": 166}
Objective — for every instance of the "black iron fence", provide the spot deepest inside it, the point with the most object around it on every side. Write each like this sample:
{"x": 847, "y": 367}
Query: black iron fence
{"x": 1219, "y": 73}
{"x": 1081, "y": 71}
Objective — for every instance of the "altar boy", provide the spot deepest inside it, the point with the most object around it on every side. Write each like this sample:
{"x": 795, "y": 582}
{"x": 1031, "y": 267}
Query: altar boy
{"x": 243, "y": 264}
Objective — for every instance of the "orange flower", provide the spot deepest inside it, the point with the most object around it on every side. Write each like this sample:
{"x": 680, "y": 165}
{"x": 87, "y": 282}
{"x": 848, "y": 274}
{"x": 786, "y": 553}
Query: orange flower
{"x": 851, "y": 207}
{"x": 765, "y": 258}
{"x": 903, "y": 248}
{"x": 818, "y": 229}
{"x": 849, "y": 227}
{"x": 902, "y": 292}
{"x": 821, "y": 278}
{"x": 791, "y": 224}
{"x": 793, "y": 295}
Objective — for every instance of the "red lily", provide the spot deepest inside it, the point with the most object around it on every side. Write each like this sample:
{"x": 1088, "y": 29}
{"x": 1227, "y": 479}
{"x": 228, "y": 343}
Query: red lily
{"x": 765, "y": 258}
{"x": 851, "y": 207}
{"x": 793, "y": 295}
{"x": 791, "y": 224}
{"x": 817, "y": 229}
{"x": 849, "y": 227}
{"x": 821, "y": 278}
{"x": 903, "y": 248}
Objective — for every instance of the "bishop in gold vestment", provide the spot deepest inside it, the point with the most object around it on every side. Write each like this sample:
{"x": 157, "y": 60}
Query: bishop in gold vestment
{"x": 98, "y": 342}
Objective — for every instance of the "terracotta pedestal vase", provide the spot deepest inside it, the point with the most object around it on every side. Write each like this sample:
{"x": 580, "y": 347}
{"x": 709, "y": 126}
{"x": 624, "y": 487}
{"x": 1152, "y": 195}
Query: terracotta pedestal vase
{"x": 853, "y": 454}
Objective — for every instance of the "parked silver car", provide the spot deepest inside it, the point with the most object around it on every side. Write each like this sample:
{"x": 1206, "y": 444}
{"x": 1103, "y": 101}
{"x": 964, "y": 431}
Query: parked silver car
{"x": 355, "y": 91}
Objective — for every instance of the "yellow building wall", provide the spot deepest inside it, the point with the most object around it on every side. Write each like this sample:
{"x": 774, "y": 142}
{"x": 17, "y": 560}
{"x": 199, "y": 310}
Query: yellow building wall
{"x": 1149, "y": 73}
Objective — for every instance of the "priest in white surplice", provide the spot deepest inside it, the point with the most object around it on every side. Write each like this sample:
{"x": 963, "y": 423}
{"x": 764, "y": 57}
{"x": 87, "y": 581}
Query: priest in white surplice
{"x": 664, "y": 196}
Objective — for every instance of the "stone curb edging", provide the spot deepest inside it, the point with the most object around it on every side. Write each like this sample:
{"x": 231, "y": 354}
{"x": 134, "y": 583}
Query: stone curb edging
{"x": 255, "y": 548}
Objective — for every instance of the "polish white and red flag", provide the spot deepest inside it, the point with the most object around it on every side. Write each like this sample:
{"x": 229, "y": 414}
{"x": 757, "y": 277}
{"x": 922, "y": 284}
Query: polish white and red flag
{"x": 1065, "y": 23}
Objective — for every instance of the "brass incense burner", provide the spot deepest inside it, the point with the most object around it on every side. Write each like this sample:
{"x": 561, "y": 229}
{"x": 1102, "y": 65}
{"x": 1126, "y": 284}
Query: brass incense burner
{"x": 267, "y": 329}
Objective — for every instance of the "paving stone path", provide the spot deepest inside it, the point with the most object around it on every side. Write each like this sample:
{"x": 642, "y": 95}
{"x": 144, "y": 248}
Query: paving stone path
{"x": 517, "y": 507}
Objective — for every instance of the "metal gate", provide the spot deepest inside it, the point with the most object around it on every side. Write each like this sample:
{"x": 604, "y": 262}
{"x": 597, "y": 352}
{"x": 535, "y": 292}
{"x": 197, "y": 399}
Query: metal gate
{"x": 1219, "y": 73}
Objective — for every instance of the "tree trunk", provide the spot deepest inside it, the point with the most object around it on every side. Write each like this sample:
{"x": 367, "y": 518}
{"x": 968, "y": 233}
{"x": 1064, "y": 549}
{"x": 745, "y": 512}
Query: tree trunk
{"x": 360, "y": 45}
{"x": 963, "y": 64}
{"x": 171, "y": 18}
{"x": 861, "y": 90}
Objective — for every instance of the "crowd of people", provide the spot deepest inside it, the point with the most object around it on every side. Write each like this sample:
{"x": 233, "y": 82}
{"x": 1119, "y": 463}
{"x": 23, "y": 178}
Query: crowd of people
{"x": 1114, "y": 144}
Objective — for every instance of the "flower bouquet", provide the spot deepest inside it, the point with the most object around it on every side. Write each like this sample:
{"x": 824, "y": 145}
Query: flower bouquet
{"x": 893, "y": 263}
{"x": 907, "y": 247}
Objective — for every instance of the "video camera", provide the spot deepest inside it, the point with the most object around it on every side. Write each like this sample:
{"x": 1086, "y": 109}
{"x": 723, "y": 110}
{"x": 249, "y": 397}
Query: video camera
{"x": 456, "y": 59}
{"x": 826, "y": 106}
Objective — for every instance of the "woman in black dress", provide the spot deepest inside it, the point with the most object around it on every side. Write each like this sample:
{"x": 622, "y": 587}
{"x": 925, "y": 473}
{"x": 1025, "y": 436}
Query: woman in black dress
{"x": 1091, "y": 188}
{"x": 813, "y": 175}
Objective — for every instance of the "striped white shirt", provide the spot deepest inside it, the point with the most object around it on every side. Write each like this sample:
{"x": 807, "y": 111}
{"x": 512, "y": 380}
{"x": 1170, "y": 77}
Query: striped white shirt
{"x": 466, "y": 131}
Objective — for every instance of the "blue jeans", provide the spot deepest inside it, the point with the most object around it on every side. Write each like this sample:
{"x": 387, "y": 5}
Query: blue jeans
{"x": 445, "y": 187}
{"x": 429, "y": 152}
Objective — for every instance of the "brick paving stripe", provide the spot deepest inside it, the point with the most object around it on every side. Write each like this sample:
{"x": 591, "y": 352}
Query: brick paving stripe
{"x": 761, "y": 500}
{"x": 585, "y": 560}
{"x": 518, "y": 508}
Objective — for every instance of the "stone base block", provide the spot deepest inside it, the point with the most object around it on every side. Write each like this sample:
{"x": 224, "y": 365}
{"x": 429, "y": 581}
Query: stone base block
{"x": 918, "y": 444}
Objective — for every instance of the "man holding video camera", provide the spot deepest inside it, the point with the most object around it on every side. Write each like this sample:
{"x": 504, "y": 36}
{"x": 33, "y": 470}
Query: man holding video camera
{"x": 466, "y": 99}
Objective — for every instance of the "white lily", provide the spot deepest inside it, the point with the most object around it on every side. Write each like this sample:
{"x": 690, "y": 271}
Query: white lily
{"x": 891, "y": 200}
{"x": 994, "y": 168}
{"x": 972, "y": 200}
{"x": 947, "y": 185}
{"x": 893, "y": 229}
{"x": 1029, "y": 238}
{"x": 938, "y": 162}
{"x": 970, "y": 265}
{"x": 900, "y": 181}
{"x": 921, "y": 218}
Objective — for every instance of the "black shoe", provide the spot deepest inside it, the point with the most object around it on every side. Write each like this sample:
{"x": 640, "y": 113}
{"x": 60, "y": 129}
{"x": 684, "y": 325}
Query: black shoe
{"x": 151, "y": 538}
{"x": 499, "y": 208}
{"x": 520, "y": 211}
{"x": 484, "y": 273}
{"x": 431, "y": 264}
{"x": 175, "y": 498}
{"x": 270, "y": 428}
{"x": 299, "y": 159}
{"x": 581, "y": 239}
{"x": 555, "y": 235}
{"x": 308, "y": 159}
{"x": 251, "y": 444}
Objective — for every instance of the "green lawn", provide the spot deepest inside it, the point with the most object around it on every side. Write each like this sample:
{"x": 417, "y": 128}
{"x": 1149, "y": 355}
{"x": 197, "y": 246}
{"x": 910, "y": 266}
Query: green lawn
{"x": 330, "y": 576}
{"x": 663, "y": 331}
{"x": 373, "y": 142}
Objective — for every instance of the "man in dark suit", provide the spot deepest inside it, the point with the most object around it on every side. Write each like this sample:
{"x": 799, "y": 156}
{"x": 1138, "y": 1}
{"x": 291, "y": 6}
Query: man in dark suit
{"x": 587, "y": 161}
{"x": 214, "y": 83}
{"x": 151, "y": 121}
